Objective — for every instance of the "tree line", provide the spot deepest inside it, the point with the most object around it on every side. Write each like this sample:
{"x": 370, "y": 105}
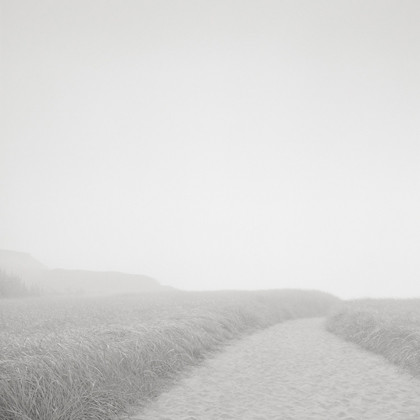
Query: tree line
{"x": 12, "y": 286}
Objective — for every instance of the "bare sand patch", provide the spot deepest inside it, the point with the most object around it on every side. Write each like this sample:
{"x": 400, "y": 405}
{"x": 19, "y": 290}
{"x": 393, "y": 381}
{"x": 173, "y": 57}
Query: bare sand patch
{"x": 291, "y": 371}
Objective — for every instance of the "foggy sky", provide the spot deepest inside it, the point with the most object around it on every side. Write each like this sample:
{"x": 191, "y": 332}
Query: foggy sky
{"x": 215, "y": 144}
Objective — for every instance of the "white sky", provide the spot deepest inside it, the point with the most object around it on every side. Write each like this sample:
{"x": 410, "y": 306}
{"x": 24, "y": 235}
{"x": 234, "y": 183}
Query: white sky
{"x": 215, "y": 144}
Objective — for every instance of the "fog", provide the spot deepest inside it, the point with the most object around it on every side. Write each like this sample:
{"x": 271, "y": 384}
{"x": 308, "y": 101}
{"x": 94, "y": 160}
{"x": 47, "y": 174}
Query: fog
{"x": 215, "y": 144}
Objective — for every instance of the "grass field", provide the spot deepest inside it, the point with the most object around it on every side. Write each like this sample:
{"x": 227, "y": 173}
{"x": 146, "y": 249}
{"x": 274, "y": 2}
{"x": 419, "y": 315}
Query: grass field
{"x": 92, "y": 358}
{"x": 388, "y": 327}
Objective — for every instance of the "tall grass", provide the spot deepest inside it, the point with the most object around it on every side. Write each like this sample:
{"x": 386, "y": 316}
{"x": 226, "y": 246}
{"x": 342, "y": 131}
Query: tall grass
{"x": 388, "y": 327}
{"x": 92, "y": 358}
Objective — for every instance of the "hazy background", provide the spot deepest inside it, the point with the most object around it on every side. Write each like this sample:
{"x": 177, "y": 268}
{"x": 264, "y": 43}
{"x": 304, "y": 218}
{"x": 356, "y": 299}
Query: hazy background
{"x": 215, "y": 144}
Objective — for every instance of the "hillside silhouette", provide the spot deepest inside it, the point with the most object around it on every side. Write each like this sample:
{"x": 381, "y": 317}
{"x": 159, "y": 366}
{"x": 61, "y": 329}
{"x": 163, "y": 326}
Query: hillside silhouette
{"x": 64, "y": 281}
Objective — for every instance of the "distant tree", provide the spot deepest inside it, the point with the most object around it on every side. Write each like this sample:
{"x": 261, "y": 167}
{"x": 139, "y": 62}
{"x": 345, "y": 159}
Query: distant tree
{"x": 13, "y": 286}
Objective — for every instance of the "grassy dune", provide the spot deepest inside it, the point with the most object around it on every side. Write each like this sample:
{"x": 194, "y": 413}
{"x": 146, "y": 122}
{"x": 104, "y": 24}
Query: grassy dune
{"x": 387, "y": 327}
{"x": 94, "y": 357}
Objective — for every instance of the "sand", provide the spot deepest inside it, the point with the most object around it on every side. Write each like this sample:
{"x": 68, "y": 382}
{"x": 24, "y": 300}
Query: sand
{"x": 292, "y": 371}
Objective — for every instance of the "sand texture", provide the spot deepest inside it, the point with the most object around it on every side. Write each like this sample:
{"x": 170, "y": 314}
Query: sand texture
{"x": 292, "y": 371}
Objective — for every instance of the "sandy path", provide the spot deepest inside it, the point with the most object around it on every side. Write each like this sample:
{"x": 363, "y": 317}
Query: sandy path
{"x": 295, "y": 370}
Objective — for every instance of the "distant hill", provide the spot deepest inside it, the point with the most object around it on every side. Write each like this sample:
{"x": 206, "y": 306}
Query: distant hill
{"x": 61, "y": 281}
{"x": 98, "y": 282}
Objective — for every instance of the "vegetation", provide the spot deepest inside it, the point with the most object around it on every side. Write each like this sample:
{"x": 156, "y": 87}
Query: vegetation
{"x": 12, "y": 286}
{"x": 91, "y": 358}
{"x": 387, "y": 327}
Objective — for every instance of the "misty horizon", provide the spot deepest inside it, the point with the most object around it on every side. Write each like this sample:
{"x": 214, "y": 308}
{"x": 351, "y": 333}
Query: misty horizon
{"x": 215, "y": 145}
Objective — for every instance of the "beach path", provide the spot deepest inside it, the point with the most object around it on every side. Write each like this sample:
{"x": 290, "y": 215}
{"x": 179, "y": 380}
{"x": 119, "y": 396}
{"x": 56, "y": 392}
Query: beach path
{"x": 291, "y": 371}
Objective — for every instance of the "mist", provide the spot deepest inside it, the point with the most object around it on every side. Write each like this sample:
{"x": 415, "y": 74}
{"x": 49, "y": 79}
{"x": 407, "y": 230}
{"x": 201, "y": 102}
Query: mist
{"x": 215, "y": 145}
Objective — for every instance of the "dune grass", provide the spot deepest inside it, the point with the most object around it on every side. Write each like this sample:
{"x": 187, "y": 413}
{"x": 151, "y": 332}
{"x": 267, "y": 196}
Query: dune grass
{"x": 389, "y": 327}
{"x": 93, "y": 358}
